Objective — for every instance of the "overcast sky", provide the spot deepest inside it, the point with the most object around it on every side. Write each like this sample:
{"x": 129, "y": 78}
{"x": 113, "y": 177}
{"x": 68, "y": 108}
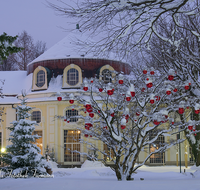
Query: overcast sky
{"x": 33, "y": 16}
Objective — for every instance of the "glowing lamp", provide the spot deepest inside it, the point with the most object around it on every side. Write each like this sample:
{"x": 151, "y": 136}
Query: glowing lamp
{"x": 59, "y": 98}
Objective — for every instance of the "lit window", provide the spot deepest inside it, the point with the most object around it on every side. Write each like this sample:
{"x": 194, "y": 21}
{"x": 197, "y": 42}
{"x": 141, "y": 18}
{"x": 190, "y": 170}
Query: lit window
{"x": 72, "y": 77}
{"x": 40, "y": 78}
{"x": 106, "y": 76}
{"x": 36, "y": 116}
{"x": 109, "y": 152}
{"x": 158, "y": 157}
{"x": 38, "y": 142}
{"x": 70, "y": 113}
{"x": 71, "y": 143}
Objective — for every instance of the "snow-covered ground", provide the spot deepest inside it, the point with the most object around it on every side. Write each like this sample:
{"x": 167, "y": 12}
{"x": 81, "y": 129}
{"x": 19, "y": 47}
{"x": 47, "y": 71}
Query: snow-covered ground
{"x": 95, "y": 176}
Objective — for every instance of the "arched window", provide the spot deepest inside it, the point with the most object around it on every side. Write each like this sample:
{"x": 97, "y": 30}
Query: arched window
{"x": 36, "y": 116}
{"x": 70, "y": 113}
{"x": 40, "y": 78}
{"x": 106, "y": 76}
{"x": 72, "y": 77}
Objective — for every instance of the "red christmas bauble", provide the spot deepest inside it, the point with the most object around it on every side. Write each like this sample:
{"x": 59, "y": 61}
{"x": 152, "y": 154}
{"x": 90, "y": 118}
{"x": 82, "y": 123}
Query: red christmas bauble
{"x": 91, "y": 115}
{"x": 86, "y": 135}
{"x": 106, "y": 127}
{"x": 121, "y": 81}
{"x": 123, "y": 126}
{"x": 168, "y": 92}
{"x": 144, "y": 71}
{"x": 196, "y": 111}
{"x": 175, "y": 90}
{"x": 170, "y": 77}
{"x": 137, "y": 113}
{"x": 132, "y": 94}
{"x": 100, "y": 89}
{"x": 190, "y": 127}
{"x": 187, "y": 87}
{"x": 152, "y": 101}
{"x": 172, "y": 122}
{"x": 157, "y": 98}
{"x": 181, "y": 110}
{"x": 128, "y": 98}
{"x": 91, "y": 81}
{"x": 110, "y": 92}
{"x": 59, "y": 98}
{"x": 85, "y": 88}
{"x": 149, "y": 85}
{"x": 71, "y": 101}
{"x": 152, "y": 72}
{"x": 112, "y": 114}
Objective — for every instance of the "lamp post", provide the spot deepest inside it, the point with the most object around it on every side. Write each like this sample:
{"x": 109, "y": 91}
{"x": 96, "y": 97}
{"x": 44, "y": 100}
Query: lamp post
{"x": 2, "y": 150}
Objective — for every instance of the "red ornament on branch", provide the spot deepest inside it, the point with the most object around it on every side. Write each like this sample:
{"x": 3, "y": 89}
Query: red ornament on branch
{"x": 59, "y": 98}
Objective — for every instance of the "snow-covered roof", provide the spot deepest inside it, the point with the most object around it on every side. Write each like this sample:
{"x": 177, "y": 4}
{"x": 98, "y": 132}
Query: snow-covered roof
{"x": 74, "y": 46}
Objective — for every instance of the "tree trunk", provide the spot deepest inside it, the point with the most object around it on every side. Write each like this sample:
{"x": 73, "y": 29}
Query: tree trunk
{"x": 198, "y": 159}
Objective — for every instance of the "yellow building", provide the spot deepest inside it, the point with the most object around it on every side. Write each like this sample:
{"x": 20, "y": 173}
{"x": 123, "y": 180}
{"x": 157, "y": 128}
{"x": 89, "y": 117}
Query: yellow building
{"x": 62, "y": 69}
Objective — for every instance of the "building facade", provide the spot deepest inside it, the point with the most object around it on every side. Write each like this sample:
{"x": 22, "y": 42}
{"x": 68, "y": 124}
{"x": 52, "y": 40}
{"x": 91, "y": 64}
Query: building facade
{"x": 59, "y": 70}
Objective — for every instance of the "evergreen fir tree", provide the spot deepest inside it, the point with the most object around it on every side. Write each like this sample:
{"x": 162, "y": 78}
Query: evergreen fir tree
{"x": 24, "y": 156}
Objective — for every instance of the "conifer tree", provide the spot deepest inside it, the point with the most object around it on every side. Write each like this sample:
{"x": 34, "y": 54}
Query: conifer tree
{"x": 22, "y": 156}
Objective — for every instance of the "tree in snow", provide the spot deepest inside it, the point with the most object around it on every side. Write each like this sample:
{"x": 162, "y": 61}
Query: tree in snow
{"x": 124, "y": 24}
{"x": 129, "y": 116}
{"x": 184, "y": 58}
{"x": 22, "y": 156}
{"x": 7, "y": 47}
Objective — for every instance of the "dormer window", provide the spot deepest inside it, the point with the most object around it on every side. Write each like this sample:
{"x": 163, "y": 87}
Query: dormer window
{"x": 40, "y": 78}
{"x": 106, "y": 76}
{"x": 72, "y": 77}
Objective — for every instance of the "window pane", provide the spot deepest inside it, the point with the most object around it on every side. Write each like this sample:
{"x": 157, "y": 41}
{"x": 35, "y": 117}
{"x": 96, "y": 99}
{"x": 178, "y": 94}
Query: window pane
{"x": 106, "y": 76}
{"x": 71, "y": 143}
{"x": 38, "y": 142}
{"x": 40, "y": 78}
{"x": 159, "y": 157}
{"x": 72, "y": 77}
{"x": 70, "y": 113}
{"x": 36, "y": 116}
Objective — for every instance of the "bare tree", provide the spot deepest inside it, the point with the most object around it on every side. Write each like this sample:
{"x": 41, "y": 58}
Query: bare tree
{"x": 125, "y": 24}
{"x": 19, "y": 60}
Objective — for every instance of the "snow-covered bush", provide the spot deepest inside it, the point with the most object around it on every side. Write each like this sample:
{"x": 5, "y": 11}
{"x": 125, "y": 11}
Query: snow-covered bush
{"x": 22, "y": 156}
{"x": 130, "y": 115}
